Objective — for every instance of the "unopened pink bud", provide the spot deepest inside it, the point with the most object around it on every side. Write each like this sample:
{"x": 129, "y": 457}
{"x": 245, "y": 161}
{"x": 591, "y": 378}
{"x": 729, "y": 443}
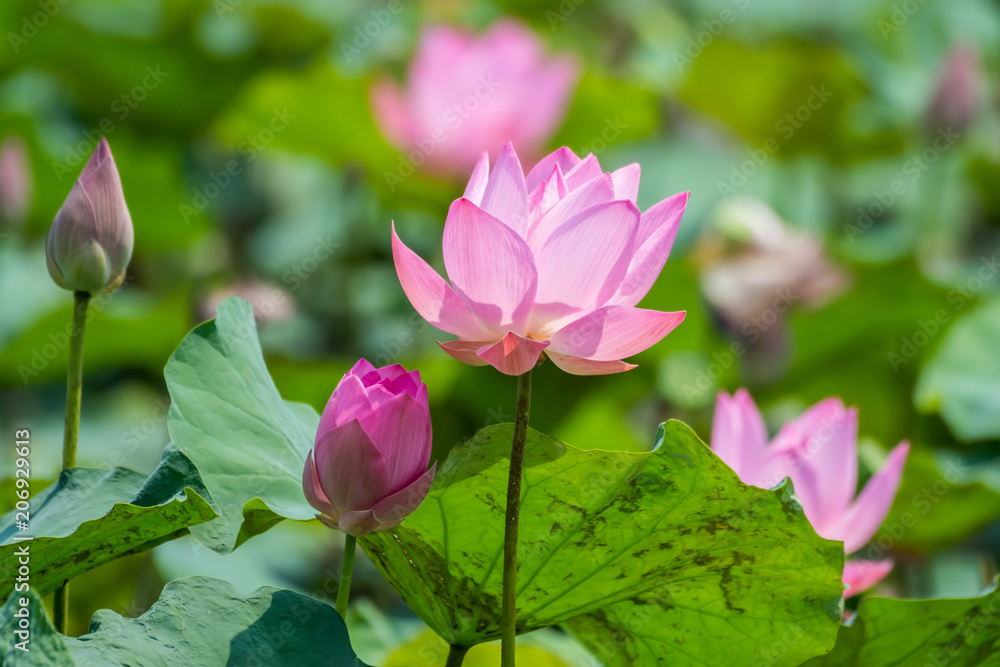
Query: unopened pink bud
{"x": 90, "y": 242}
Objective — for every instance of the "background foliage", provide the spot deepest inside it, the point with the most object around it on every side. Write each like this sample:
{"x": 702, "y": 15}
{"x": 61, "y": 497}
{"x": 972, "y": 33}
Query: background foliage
{"x": 695, "y": 91}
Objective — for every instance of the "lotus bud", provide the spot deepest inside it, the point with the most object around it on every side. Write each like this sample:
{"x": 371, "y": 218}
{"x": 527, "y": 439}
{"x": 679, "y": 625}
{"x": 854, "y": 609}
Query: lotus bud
{"x": 367, "y": 470}
{"x": 90, "y": 241}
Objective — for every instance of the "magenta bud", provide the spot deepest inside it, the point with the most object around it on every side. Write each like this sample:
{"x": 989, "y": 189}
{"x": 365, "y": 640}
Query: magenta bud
{"x": 90, "y": 241}
{"x": 368, "y": 467}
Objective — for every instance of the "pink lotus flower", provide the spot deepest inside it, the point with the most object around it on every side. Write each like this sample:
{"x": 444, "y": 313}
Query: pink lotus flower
{"x": 368, "y": 467}
{"x": 90, "y": 241}
{"x": 819, "y": 452}
{"x": 468, "y": 93}
{"x": 551, "y": 262}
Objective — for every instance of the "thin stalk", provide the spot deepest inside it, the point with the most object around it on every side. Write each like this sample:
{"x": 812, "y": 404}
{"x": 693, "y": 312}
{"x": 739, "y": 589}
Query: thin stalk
{"x": 346, "y": 571}
{"x": 74, "y": 379}
{"x": 74, "y": 392}
{"x": 456, "y": 655}
{"x": 509, "y": 607}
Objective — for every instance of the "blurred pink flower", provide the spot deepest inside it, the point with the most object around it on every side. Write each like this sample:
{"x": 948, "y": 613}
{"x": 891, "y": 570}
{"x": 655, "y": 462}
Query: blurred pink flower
{"x": 750, "y": 259}
{"x": 465, "y": 94}
{"x": 15, "y": 181}
{"x": 551, "y": 262}
{"x": 958, "y": 90}
{"x": 368, "y": 467}
{"x": 819, "y": 452}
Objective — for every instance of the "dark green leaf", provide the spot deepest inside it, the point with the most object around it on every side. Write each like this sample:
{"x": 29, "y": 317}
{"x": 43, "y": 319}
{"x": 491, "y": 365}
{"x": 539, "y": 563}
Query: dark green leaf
{"x": 24, "y": 624}
{"x": 90, "y": 517}
{"x": 197, "y": 622}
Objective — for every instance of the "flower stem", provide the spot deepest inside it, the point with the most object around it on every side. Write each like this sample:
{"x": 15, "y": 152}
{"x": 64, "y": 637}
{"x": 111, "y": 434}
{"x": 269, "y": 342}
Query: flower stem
{"x": 346, "y": 570}
{"x": 456, "y": 655}
{"x": 74, "y": 379}
{"x": 74, "y": 391}
{"x": 509, "y": 607}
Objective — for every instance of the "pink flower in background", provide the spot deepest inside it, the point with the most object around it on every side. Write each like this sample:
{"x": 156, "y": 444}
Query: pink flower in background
{"x": 15, "y": 181}
{"x": 958, "y": 90}
{"x": 551, "y": 262}
{"x": 819, "y": 452}
{"x": 368, "y": 467}
{"x": 466, "y": 93}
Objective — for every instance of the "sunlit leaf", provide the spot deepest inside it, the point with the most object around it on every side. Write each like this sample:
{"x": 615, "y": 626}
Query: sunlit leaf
{"x": 602, "y": 530}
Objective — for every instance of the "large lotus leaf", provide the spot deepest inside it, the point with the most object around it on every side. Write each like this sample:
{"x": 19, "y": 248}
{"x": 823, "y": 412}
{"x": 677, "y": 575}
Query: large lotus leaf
{"x": 602, "y": 531}
{"x": 227, "y": 416}
{"x": 90, "y": 517}
{"x": 914, "y": 633}
{"x": 197, "y": 622}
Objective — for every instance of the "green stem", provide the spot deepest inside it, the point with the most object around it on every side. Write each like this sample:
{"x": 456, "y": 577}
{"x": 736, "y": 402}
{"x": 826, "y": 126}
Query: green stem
{"x": 456, "y": 655}
{"x": 74, "y": 379}
{"x": 346, "y": 570}
{"x": 74, "y": 392}
{"x": 60, "y": 608}
{"x": 508, "y": 622}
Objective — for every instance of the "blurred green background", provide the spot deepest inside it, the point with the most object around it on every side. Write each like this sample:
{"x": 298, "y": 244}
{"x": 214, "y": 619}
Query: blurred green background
{"x": 841, "y": 236}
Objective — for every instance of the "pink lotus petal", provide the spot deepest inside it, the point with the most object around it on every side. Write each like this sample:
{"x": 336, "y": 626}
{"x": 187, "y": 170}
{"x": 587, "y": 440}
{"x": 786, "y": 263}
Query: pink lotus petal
{"x": 397, "y": 380}
{"x": 580, "y": 366}
{"x": 739, "y": 435}
{"x": 314, "y": 491}
{"x": 506, "y": 197}
{"x": 357, "y": 522}
{"x": 391, "y": 510}
{"x": 587, "y": 169}
{"x": 348, "y": 401}
{"x": 513, "y": 354}
{"x": 431, "y": 296}
{"x": 545, "y": 196}
{"x": 831, "y": 452}
{"x": 583, "y": 262}
{"x": 465, "y": 350}
{"x": 477, "y": 182}
{"x": 490, "y": 266}
{"x": 564, "y": 158}
{"x": 401, "y": 429}
{"x": 860, "y": 575}
{"x": 611, "y": 333}
{"x": 363, "y": 367}
{"x": 626, "y": 182}
{"x": 600, "y": 190}
{"x": 868, "y": 512}
{"x": 351, "y": 469}
{"x": 658, "y": 228}
{"x": 797, "y": 434}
